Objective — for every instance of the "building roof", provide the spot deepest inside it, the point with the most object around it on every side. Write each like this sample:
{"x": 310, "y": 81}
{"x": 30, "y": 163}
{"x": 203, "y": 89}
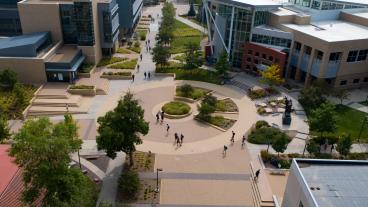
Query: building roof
{"x": 7, "y": 167}
{"x": 363, "y": 2}
{"x": 336, "y": 183}
{"x": 332, "y": 30}
{"x": 11, "y": 181}
{"x": 253, "y": 3}
{"x": 23, "y": 45}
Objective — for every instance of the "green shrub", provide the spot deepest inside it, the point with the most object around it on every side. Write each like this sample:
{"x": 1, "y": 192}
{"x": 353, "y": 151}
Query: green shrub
{"x": 256, "y": 94}
{"x": 142, "y": 34}
{"x": 266, "y": 134}
{"x": 176, "y": 108}
{"x": 117, "y": 73}
{"x": 130, "y": 64}
{"x": 197, "y": 93}
{"x": 109, "y": 60}
{"x": 261, "y": 123}
{"x": 322, "y": 155}
{"x": 266, "y": 157}
{"x": 186, "y": 90}
{"x": 81, "y": 87}
{"x": 261, "y": 111}
{"x": 86, "y": 67}
{"x": 8, "y": 78}
{"x": 129, "y": 184}
{"x": 358, "y": 156}
{"x": 137, "y": 44}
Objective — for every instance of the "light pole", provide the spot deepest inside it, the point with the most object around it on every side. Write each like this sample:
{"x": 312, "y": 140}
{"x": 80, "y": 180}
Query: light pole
{"x": 80, "y": 165}
{"x": 157, "y": 188}
{"x": 361, "y": 128}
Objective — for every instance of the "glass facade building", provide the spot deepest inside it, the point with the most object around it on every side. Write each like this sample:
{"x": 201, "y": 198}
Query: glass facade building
{"x": 276, "y": 41}
{"x": 70, "y": 34}
{"x": 327, "y": 4}
{"x": 83, "y": 17}
{"x": 9, "y": 18}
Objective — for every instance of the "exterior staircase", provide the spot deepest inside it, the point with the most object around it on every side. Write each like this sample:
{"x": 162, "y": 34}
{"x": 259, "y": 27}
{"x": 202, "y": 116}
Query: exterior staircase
{"x": 261, "y": 192}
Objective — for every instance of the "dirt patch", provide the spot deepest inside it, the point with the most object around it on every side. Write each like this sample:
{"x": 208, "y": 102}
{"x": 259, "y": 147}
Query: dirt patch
{"x": 143, "y": 161}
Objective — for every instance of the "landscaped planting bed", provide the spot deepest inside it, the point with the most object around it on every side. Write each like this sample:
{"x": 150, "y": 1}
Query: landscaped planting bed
{"x": 109, "y": 60}
{"x": 86, "y": 67}
{"x": 226, "y": 105}
{"x": 196, "y": 94}
{"x": 183, "y": 34}
{"x": 143, "y": 161}
{"x": 129, "y": 64}
{"x": 84, "y": 90}
{"x": 221, "y": 122}
{"x": 176, "y": 108}
{"x": 117, "y": 75}
{"x": 266, "y": 135}
{"x": 123, "y": 51}
{"x": 8, "y": 100}
{"x": 142, "y": 34}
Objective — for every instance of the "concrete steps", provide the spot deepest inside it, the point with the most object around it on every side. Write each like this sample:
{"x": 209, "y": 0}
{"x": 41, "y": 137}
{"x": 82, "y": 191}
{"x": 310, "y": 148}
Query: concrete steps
{"x": 53, "y": 96}
{"x": 73, "y": 101}
{"x": 50, "y": 111}
{"x": 260, "y": 200}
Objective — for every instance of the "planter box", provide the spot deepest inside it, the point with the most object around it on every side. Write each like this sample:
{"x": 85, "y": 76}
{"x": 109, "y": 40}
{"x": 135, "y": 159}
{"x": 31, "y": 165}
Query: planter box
{"x": 209, "y": 124}
{"x": 116, "y": 77}
{"x": 86, "y": 75}
{"x": 83, "y": 92}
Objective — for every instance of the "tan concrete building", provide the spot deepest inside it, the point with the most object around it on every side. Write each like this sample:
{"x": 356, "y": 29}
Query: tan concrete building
{"x": 326, "y": 183}
{"x": 59, "y": 37}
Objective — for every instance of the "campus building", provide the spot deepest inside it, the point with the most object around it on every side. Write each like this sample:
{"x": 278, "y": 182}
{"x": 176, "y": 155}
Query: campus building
{"x": 129, "y": 12}
{"x": 58, "y": 37}
{"x": 320, "y": 39}
{"x": 9, "y": 18}
{"x": 326, "y": 183}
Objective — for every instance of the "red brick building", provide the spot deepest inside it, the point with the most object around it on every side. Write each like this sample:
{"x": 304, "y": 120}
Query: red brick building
{"x": 257, "y": 57}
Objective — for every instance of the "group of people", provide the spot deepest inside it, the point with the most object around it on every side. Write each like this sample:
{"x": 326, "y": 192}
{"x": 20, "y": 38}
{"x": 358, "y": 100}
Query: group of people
{"x": 232, "y": 141}
{"x": 161, "y": 114}
{"x": 178, "y": 140}
{"x": 148, "y": 45}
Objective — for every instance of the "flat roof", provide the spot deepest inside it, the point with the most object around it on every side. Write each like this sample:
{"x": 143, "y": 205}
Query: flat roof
{"x": 252, "y": 3}
{"x": 7, "y": 168}
{"x": 336, "y": 183}
{"x": 363, "y": 2}
{"x": 332, "y": 30}
{"x": 64, "y": 54}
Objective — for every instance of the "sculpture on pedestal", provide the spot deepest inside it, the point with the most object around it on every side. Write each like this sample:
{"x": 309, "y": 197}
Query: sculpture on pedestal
{"x": 286, "y": 118}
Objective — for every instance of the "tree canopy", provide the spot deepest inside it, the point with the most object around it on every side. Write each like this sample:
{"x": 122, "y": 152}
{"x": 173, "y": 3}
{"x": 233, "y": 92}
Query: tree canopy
{"x": 344, "y": 144}
{"x": 8, "y": 78}
{"x": 311, "y": 97}
{"x": 280, "y": 144}
{"x": 323, "y": 119}
{"x": 4, "y": 129}
{"x": 120, "y": 128}
{"x": 193, "y": 55}
{"x": 222, "y": 65}
{"x": 161, "y": 55}
{"x": 272, "y": 75}
{"x": 42, "y": 149}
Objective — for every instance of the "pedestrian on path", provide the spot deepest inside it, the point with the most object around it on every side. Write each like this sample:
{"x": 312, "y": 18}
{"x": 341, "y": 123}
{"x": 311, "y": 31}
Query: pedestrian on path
{"x": 257, "y": 174}
{"x": 133, "y": 76}
{"x": 167, "y": 128}
{"x": 176, "y": 137}
{"x": 224, "y": 152}
{"x": 232, "y": 140}
{"x": 145, "y": 75}
{"x": 157, "y": 117}
{"x": 243, "y": 141}
{"x": 149, "y": 41}
{"x": 149, "y": 75}
{"x": 149, "y": 48}
{"x": 178, "y": 143}
{"x": 141, "y": 56}
{"x": 138, "y": 68}
{"x": 162, "y": 116}
{"x": 181, "y": 139}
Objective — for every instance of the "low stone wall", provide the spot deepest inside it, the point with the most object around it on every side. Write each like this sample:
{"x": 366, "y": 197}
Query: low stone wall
{"x": 83, "y": 92}
{"x": 86, "y": 75}
{"x": 116, "y": 77}
{"x": 170, "y": 116}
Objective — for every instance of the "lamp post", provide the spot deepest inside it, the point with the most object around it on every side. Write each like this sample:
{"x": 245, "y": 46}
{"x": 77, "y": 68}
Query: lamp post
{"x": 157, "y": 188}
{"x": 80, "y": 165}
{"x": 361, "y": 128}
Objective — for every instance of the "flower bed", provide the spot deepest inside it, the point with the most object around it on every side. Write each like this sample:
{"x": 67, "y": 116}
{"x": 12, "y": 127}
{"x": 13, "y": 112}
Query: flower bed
{"x": 194, "y": 93}
{"x": 84, "y": 90}
{"x": 226, "y": 105}
{"x": 219, "y": 122}
{"x": 176, "y": 108}
{"x": 117, "y": 75}
{"x": 261, "y": 93}
{"x": 109, "y": 60}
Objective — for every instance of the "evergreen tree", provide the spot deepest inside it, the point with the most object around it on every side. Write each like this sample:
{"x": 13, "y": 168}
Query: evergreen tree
{"x": 161, "y": 55}
{"x": 223, "y": 66}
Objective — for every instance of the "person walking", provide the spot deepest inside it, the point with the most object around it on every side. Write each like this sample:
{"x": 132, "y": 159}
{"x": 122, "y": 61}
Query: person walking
{"x": 167, "y": 128}
{"x": 141, "y": 56}
{"x": 243, "y": 141}
{"x": 178, "y": 142}
{"x": 149, "y": 41}
{"x": 181, "y": 139}
{"x": 176, "y": 137}
{"x": 224, "y": 152}
{"x": 133, "y": 76}
{"x": 149, "y": 75}
{"x": 162, "y": 116}
{"x": 232, "y": 140}
{"x": 138, "y": 68}
{"x": 145, "y": 75}
{"x": 157, "y": 117}
{"x": 257, "y": 174}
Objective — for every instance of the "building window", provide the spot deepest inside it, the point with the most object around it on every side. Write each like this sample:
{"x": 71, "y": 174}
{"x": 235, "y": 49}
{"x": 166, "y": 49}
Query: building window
{"x": 356, "y": 80}
{"x": 264, "y": 56}
{"x": 298, "y": 46}
{"x": 249, "y": 60}
{"x": 277, "y": 60}
{"x": 319, "y": 55}
{"x": 257, "y": 54}
{"x": 352, "y": 56}
{"x": 270, "y": 58}
{"x": 362, "y": 55}
{"x": 365, "y": 79}
{"x": 247, "y": 67}
{"x": 250, "y": 52}
{"x": 343, "y": 82}
{"x": 307, "y": 50}
{"x": 256, "y": 61}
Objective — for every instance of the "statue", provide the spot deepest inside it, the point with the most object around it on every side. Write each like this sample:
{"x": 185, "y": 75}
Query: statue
{"x": 286, "y": 118}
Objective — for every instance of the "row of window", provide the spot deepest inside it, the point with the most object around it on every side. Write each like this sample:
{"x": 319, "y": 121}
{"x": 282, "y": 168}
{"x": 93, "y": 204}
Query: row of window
{"x": 355, "y": 81}
{"x": 357, "y": 55}
{"x": 264, "y": 56}
{"x": 264, "y": 39}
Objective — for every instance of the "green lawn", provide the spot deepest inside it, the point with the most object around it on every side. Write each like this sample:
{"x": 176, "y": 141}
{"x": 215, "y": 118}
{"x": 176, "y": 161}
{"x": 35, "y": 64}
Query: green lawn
{"x": 196, "y": 94}
{"x": 109, "y": 60}
{"x": 176, "y": 108}
{"x": 123, "y": 51}
{"x": 129, "y": 64}
{"x": 193, "y": 74}
{"x": 182, "y": 35}
{"x": 350, "y": 121}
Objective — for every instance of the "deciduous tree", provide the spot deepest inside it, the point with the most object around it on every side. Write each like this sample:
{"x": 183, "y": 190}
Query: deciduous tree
{"x": 323, "y": 118}
{"x": 344, "y": 144}
{"x": 280, "y": 144}
{"x": 272, "y": 76}
{"x": 223, "y": 66}
{"x": 193, "y": 55}
{"x": 161, "y": 55}
{"x": 4, "y": 129}
{"x": 120, "y": 128}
